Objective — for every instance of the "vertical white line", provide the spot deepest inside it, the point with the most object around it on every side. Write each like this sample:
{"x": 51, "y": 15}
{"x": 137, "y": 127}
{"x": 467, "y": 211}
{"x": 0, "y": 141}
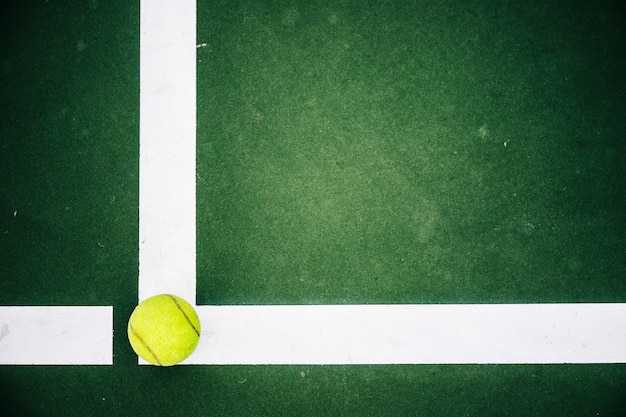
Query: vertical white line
{"x": 167, "y": 162}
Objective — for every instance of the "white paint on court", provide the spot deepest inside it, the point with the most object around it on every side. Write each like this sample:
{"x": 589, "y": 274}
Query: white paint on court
{"x": 167, "y": 149}
{"x": 321, "y": 334}
{"x": 56, "y": 335}
{"x": 412, "y": 334}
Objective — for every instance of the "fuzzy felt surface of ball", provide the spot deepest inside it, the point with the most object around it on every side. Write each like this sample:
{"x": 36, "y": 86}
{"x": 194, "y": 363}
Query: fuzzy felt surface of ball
{"x": 164, "y": 329}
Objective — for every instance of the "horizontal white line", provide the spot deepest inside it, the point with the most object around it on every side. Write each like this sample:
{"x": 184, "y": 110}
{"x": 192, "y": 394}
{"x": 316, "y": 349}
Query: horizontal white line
{"x": 56, "y": 335}
{"x": 412, "y": 334}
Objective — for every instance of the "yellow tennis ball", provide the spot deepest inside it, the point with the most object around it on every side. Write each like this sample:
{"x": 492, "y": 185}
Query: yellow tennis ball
{"x": 164, "y": 329}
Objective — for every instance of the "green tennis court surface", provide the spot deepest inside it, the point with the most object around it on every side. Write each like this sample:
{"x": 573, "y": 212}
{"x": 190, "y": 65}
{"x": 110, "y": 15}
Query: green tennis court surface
{"x": 347, "y": 153}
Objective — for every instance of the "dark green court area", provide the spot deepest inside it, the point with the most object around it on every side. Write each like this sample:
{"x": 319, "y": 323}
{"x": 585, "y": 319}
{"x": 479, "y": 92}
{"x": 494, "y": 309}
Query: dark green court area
{"x": 348, "y": 151}
{"x": 410, "y": 152}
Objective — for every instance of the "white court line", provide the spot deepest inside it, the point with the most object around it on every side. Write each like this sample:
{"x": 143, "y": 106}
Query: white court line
{"x": 412, "y": 334}
{"x": 167, "y": 161}
{"x": 331, "y": 334}
{"x": 56, "y": 335}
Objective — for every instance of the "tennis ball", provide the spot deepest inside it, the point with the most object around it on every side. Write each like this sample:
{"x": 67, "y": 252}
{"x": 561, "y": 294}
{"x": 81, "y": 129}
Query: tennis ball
{"x": 164, "y": 330}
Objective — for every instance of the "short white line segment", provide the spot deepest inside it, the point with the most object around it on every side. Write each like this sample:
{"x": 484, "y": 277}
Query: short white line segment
{"x": 56, "y": 335}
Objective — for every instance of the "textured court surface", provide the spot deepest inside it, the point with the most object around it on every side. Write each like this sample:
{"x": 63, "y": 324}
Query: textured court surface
{"x": 402, "y": 152}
